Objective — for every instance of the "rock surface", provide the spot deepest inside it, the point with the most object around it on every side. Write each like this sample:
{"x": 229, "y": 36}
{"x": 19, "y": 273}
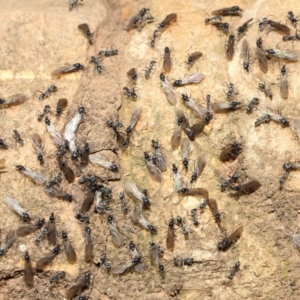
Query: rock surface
{"x": 38, "y": 37}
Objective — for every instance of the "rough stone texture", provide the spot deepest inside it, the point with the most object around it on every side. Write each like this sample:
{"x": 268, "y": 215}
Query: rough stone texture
{"x": 38, "y": 37}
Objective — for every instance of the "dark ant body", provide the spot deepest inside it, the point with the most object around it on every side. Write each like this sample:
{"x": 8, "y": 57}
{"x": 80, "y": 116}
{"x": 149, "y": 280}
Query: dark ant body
{"x": 18, "y": 138}
{"x": 280, "y": 28}
{"x": 67, "y": 171}
{"x": 194, "y": 216}
{"x": 50, "y": 89}
{"x": 283, "y": 54}
{"x": 123, "y": 203}
{"x": 232, "y": 91}
{"x": 282, "y": 179}
{"x": 59, "y": 72}
{"x": 274, "y": 116}
{"x": 30, "y": 228}
{"x": 7, "y": 241}
{"x": 88, "y": 199}
{"x": 262, "y": 24}
{"x": 180, "y": 262}
{"x": 69, "y": 250}
{"x": 15, "y": 206}
{"x": 82, "y": 283}
{"x": 104, "y": 262}
{"x": 57, "y": 276}
{"x": 135, "y": 116}
{"x": 158, "y": 157}
{"x": 246, "y": 55}
{"x": 242, "y": 29}
{"x": 171, "y": 235}
{"x": 28, "y": 271}
{"x": 228, "y": 11}
{"x": 82, "y": 218}
{"x": 185, "y": 150}
{"x": 214, "y": 18}
{"x": 203, "y": 204}
{"x": 85, "y": 29}
{"x": 149, "y": 69}
{"x": 61, "y": 105}
{"x": 264, "y": 119}
{"x": 224, "y": 27}
{"x": 252, "y": 103}
{"x": 108, "y": 53}
{"x": 234, "y": 269}
{"x": 167, "y": 63}
{"x": 121, "y": 139}
{"x": 288, "y": 167}
{"x": 74, "y": 3}
{"x": 179, "y": 222}
{"x": 3, "y": 145}
{"x": 97, "y": 67}
{"x": 114, "y": 125}
{"x": 292, "y": 38}
{"x": 84, "y": 157}
{"x": 231, "y": 152}
{"x": 208, "y": 114}
{"x": 140, "y": 20}
{"x": 262, "y": 59}
{"x": 226, "y": 183}
{"x": 199, "y": 167}
{"x": 247, "y": 188}
{"x": 230, "y": 47}
{"x": 153, "y": 38}
{"x": 193, "y": 57}
{"x": 212, "y": 204}
{"x": 267, "y": 91}
{"x": 130, "y": 93}
{"x": 45, "y": 111}
{"x": 196, "y": 192}
{"x": 132, "y": 75}
{"x": 224, "y": 107}
{"x": 89, "y": 179}
{"x": 292, "y": 18}
{"x": 155, "y": 252}
{"x": 154, "y": 171}
{"x": 284, "y": 87}
{"x": 227, "y": 241}
{"x": 42, "y": 263}
{"x": 171, "y": 18}
{"x": 37, "y": 144}
{"x": 56, "y": 180}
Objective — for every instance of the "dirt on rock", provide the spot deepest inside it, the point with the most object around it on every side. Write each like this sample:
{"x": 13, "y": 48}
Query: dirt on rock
{"x": 40, "y": 36}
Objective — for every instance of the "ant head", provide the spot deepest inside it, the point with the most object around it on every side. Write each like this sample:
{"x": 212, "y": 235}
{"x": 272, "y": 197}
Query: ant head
{"x": 47, "y": 121}
{"x": 20, "y": 168}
